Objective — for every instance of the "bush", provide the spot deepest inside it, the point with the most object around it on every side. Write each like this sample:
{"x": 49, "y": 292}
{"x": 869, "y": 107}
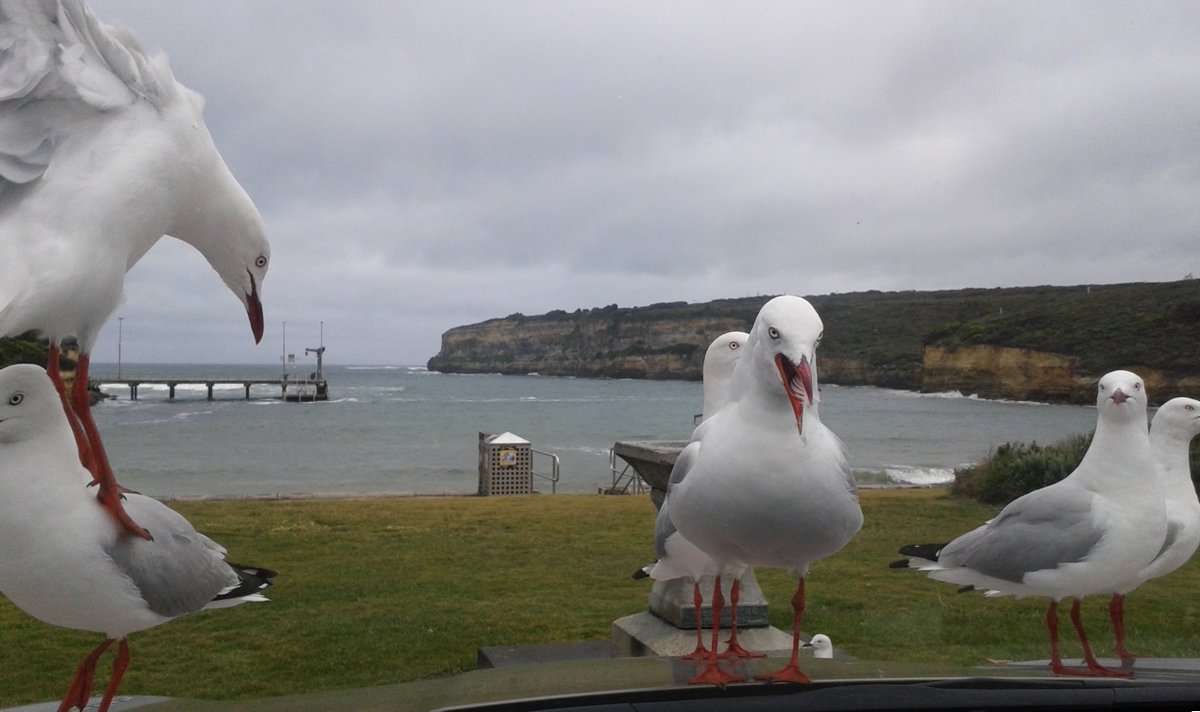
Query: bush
{"x": 1016, "y": 468}
{"x": 1013, "y": 469}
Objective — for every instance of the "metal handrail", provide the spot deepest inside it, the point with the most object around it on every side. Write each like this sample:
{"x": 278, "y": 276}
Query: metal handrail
{"x": 554, "y": 469}
{"x": 622, "y": 479}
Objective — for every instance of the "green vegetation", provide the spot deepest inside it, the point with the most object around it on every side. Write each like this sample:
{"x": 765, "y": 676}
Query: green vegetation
{"x": 23, "y": 349}
{"x": 1151, "y": 324}
{"x": 388, "y": 590}
{"x": 1013, "y": 469}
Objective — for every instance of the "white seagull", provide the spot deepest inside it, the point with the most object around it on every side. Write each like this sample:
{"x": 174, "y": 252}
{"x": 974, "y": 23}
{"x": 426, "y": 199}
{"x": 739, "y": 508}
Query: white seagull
{"x": 677, "y": 557}
{"x": 102, "y": 153}
{"x": 764, "y": 482}
{"x": 1083, "y": 535}
{"x": 66, "y": 562}
{"x": 1171, "y": 431}
{"x": 822, "y": 646}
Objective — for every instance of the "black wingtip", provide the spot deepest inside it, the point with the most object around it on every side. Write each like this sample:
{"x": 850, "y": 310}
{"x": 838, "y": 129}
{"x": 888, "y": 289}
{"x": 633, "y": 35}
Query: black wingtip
{"x": 966, "y": 589}
{"x": 252, "y": 579}
{"x": 929, "y": 552}
{"x": 901, "y": 564}
{"x": 640, "y": 574}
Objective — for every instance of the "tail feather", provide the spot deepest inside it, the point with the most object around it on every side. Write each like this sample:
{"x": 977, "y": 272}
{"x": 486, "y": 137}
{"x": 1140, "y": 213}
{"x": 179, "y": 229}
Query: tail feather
{"x": 929, "y": 552}
{"x": 251, "y": 580}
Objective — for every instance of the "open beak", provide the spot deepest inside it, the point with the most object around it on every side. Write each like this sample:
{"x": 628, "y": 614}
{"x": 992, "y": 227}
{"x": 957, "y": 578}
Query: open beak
{"x": 797, "y": 383}
{"x": 254, "y": 311}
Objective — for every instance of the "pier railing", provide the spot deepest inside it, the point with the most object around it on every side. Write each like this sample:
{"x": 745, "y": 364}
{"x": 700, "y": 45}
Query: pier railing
{"x": 301, "y": 389}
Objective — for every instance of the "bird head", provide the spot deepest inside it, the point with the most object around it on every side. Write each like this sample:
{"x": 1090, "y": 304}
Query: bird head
{"x": 1121, "y": 394}
{"x": 216, "y": 215}
{"x": 719, "y": 361}
{"x": 28, "y": 402}
{"x": 786, "y": 335}
{"x": 1178, "y": 418}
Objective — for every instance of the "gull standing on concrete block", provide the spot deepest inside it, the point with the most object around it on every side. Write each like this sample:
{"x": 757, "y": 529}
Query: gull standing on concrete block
{"x": 764, "y": 482}
{"x": 1081, "y": 536}
{"x": 1171, "y": 431}
{"x": 677, "y": 557}
{"x": 66, "y": 562}
{"x": 102, "y": 153}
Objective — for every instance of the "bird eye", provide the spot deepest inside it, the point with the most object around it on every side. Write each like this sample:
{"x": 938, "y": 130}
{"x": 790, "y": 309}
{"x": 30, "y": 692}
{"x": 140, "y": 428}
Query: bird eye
{"x": 734, "y": 346}
{"x": 773, "y": 332}
{"x": 16, "y": 398}
{"x": 1137, "y": 386}
{"x": 1189, "y": 408}
{"x": 261, "y": 261}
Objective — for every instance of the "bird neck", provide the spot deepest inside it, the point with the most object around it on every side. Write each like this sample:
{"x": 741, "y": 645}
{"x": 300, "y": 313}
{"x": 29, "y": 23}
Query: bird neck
{"x": 1171, "y": 455}
{"x": 1120, "y": 450}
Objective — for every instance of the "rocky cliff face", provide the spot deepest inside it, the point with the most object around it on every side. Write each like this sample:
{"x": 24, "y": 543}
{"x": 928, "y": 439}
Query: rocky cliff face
{"x": 1036, "y": 343}
{"x": 1003, "y": 372}
{"x": 584, "y": 345}
{"x": 1025, "y": 374}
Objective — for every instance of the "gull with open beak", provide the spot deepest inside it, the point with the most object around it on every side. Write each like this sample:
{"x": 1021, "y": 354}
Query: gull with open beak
{"x": 764, "y": 482}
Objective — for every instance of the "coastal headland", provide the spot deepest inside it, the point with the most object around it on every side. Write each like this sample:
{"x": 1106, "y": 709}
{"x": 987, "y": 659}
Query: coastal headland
{"x": 1024, "y": 343}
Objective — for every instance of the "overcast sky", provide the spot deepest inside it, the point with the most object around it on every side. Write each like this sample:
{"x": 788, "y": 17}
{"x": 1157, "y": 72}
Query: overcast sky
{"x": 422, "y": 165}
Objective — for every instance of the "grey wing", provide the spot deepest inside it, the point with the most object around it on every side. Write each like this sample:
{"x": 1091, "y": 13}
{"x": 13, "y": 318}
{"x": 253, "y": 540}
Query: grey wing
{"x": 181, "y": 570}
{"x": 1041, "y": 530}
{"x": 683, "y": 463}
{"x": 663, "y": 529}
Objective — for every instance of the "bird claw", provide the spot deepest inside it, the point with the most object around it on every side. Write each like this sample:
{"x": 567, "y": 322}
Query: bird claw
{"x": 714, "y": 675}
{"x": 112, "y": 503}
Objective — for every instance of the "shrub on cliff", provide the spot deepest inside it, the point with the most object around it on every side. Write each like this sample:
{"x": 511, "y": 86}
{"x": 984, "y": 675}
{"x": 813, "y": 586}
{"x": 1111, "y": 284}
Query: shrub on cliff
{"x": 1016, "y": 468}
{"x": 22, "y": 349}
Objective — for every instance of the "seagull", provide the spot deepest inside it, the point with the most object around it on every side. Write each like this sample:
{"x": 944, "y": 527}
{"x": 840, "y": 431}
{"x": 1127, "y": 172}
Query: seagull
{"x": 102, "y": 153}
{"x": 66, "y": 562}
{"x": 677, "y": 557}
{"x": 763, "y": 482}
{"x": 822, "y": 646}
{"x": 1083, "y": 535}
{"x": 719, "y": 359}
{"x": 1171, "y": 431}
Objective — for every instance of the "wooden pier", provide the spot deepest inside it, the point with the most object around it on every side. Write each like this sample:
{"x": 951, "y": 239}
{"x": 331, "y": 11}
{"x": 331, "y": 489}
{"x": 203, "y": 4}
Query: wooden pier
{"x": 290, "y": 389}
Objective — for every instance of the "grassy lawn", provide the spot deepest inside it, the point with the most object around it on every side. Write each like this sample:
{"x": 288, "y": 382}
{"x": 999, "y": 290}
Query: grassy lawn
{"x": 390, "y": 590}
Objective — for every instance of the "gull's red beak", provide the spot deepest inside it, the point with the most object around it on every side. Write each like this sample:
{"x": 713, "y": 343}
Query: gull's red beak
{"x": 797, "y": 383}
{"x": 255, "y": 311}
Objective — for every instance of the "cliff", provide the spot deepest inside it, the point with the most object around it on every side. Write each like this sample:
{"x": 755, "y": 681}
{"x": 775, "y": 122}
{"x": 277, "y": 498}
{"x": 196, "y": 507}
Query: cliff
{"x": 1029, "y": 343}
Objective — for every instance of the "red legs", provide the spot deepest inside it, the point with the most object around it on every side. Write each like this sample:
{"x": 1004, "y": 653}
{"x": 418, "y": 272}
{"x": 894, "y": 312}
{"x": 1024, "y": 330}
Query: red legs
{"x": 120, "y": 665}
{"x": 792, "y": 672}
{"x": 712, "y": 673}
{"x": 700, "y": 652}
{"x": 81, "y": 685}
{"x": 733, "y": 650}
{"x": 87, "y": 437}
{"x": 81, "y": 443}
{"x": 1094, "y": 668}
{"x": 1116, "y": 611}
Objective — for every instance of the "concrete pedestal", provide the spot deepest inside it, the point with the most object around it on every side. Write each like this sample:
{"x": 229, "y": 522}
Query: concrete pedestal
{"x": 674, "y": 602}
{"x": 646, "y": 634}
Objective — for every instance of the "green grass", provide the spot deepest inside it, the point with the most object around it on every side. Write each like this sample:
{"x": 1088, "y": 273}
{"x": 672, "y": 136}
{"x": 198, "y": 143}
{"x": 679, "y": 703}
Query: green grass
{"x": 389, "y": 590}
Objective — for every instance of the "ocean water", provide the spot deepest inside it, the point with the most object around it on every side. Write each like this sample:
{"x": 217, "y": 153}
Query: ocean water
{"x": 402, "y": 429}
